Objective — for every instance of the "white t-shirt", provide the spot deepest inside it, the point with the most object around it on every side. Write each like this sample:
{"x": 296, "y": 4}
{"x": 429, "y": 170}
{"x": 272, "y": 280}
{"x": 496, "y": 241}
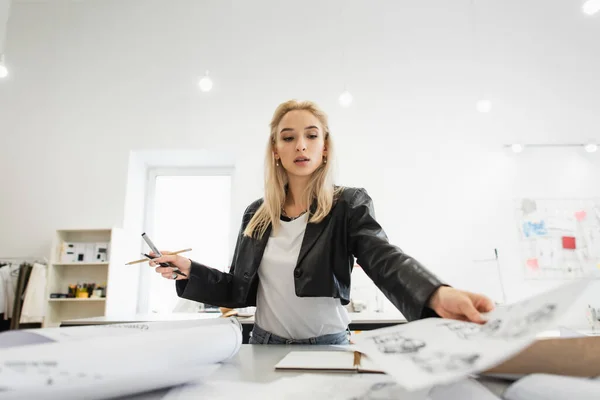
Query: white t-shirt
{"x": 278, "y": 309}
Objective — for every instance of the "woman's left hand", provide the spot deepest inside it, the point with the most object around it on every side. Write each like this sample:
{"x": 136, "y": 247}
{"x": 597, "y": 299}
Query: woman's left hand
{"x": 452, "y": 303}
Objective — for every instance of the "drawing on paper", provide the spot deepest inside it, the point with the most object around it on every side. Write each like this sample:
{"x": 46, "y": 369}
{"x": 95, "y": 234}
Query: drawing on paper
{"x": 47, "y": 373}
{"x": 491, "y": 328}
{"x": 463, "y": 330}
{"x": 521, "y": 326}
{"x": 531, "y": 228}
{"x": 380, "y": 390}
{"x": 516, "y": 326}
{"x": 394, "y": 343}
{"x": 133, "y": 326}
{"x": 559, "y": 238}
{"x": 455, "y": 349}
{"x": 528, "y": 206}
{"x": 469, "y": 330}
{"x": 439, "y": 361}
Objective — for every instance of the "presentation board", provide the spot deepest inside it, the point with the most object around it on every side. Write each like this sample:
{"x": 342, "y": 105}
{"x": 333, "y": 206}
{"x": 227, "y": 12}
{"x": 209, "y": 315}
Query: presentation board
{"x": 559, "y": 238}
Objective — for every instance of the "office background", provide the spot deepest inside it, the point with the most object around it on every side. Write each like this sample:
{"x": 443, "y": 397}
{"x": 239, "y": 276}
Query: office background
{"x": 97, "y": 86}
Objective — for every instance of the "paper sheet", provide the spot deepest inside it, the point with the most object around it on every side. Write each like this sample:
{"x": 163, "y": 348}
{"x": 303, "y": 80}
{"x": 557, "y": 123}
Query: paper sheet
{"x": 437, "y": 351}
{"x": 466, "y": 389}
{"x": 122, "y": 364}
{"x": 47, "y": 335}
{"x": 217, "y": 390}
{"x": 553, "y": 387}
{"x": 328, "y": 387}
{"x": 126, "y": 384}
{"x": 313, "y": 386}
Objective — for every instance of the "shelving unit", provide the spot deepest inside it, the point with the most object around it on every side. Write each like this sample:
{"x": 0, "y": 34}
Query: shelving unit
{"x": 81, "y": 264}
{"x": 77, "y": 300}
{"x": 61, "y": 274}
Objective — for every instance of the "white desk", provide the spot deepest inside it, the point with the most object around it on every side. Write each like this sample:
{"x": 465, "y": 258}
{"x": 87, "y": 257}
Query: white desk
{"x": 393, "y": 318}
{"x": 124, "y": 319}
{"x": 355, "y": 318}
{"x": 358, "y": 321}
{"x": 256, "y": 363}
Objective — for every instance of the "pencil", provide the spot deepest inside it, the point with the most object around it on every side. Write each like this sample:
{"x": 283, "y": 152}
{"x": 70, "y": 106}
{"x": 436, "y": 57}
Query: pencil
{"x": 145, "y": 259}
{"x": 357, "y": 357}
{"x": 175, "y": 269}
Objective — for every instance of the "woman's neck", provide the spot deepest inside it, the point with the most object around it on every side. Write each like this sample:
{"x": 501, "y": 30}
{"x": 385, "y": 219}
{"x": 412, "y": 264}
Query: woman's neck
{"x": 295, "y": 194}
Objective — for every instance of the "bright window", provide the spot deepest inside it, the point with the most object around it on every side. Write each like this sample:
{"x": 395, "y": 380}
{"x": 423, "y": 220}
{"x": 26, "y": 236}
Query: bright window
{"x": 187, "y": 209}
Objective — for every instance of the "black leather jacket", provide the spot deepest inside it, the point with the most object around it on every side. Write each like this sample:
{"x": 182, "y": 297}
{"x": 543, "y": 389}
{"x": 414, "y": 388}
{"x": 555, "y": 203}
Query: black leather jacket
{"x": 325, "y": 262}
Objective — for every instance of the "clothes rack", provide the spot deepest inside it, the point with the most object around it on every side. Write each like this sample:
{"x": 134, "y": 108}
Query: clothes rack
{"x": 22, "y": 278}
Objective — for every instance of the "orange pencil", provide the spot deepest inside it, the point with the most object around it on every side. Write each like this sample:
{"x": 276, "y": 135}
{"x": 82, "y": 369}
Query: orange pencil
{"x": 145, "y": 259}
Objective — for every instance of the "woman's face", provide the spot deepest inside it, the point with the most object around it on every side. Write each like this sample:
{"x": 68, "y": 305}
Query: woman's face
{"x": 300, "y": 143}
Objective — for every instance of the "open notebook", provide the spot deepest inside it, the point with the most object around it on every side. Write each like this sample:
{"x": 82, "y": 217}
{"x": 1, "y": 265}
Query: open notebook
{"x": 340, "y": 361}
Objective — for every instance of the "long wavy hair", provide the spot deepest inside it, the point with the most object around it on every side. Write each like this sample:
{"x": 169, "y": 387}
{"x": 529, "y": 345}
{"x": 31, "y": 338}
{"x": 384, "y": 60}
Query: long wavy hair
{"x": 320, "y": 187}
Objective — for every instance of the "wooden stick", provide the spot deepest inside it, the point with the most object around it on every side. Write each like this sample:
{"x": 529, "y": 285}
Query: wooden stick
{"x": 357, "y": 357}
{"x": 146, "y": 259}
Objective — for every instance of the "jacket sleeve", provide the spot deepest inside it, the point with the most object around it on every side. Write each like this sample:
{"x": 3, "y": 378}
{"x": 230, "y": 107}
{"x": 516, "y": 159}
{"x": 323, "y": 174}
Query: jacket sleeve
{"x": 209, "y": 285}
{"x": 401, "y": 278}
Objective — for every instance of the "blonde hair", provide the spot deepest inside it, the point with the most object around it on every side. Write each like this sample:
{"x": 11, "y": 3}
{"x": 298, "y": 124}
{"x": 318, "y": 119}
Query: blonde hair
{"x": 320, "y": 186}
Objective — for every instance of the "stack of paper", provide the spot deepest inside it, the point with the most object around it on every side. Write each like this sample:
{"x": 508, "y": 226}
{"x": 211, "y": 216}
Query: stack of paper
{"x": 553, "y": 387}
{"x": 434, "y": 351}
{"x": 118, "y": 360}
{"x": 321, "y": 387}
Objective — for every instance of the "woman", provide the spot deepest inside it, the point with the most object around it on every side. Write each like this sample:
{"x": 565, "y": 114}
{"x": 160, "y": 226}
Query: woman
{"x": 296, "y": 248}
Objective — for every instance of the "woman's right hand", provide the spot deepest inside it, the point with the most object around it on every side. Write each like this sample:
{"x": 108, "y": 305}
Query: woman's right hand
{"x": 183, "y": 264}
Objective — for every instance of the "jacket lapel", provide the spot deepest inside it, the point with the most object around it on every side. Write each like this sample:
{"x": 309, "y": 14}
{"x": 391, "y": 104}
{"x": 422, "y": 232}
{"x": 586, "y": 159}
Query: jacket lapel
{"x": 259, "y": 248}
{"x": 312, "y": 233}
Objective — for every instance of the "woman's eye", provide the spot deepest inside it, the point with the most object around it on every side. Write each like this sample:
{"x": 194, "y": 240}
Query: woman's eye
{"x": 288, "y": 139}
{"x": 313, "y": 136}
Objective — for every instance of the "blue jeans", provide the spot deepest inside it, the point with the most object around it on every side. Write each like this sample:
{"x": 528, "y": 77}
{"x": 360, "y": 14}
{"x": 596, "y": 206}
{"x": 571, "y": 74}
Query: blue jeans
{"x": 260, "y": 336}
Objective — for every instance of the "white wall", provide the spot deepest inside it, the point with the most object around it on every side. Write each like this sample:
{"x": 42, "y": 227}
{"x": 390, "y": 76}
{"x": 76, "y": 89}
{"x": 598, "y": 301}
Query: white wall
{"x": 93, "y": 80}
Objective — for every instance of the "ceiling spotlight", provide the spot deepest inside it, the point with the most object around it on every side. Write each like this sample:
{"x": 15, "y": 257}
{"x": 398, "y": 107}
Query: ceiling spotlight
{"x": 591, "y": 147}
{"x": 3, "y": 69}
{"x": 591, "y": 7}
{"x": 484, "y": 106}
{"x": 517, "y": 148}
{"x": 205, "y": 83}
{"x": 346, "y": 99}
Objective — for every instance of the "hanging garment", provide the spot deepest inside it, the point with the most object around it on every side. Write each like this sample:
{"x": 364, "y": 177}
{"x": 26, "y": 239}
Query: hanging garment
{"x": 33, "y": 309}
{"x": 9, "y": 276}
{"x": 23, "y": 279}
{"x": 2, "y": 291}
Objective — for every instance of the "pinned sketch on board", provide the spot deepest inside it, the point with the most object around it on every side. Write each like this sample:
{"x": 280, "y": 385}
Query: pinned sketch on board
{"x": 434, "y": 351}
{"x": 560, "y": 238}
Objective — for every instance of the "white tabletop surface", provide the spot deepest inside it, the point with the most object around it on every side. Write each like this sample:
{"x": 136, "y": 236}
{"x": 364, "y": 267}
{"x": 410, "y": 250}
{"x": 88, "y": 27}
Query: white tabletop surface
{"x": 256, "y": 363}
{"x": 112, "y": 319}
{"x": 362, "y": 317}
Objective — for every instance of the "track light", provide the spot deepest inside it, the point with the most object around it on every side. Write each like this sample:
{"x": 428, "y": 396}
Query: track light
{"x": 3, "y": 69}
{"x": 517, "y": 148}
{"x": 591, "y": 147}
{"x": 346, "y": 99}
{"x": 484, "y": 106}
{"x": 591, "y": 7}
{"x": 205, "y": 83}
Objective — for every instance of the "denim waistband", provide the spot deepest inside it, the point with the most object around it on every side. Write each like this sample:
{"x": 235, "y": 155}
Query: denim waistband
{"x": 261, "y": 336}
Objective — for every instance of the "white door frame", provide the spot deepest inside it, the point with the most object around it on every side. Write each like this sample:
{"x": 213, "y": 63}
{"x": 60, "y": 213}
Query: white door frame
{"x": 152, "y": 173}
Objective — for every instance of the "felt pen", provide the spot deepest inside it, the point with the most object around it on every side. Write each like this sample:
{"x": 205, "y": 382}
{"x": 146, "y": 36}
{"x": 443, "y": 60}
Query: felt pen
{"x": 176, "y": 271}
